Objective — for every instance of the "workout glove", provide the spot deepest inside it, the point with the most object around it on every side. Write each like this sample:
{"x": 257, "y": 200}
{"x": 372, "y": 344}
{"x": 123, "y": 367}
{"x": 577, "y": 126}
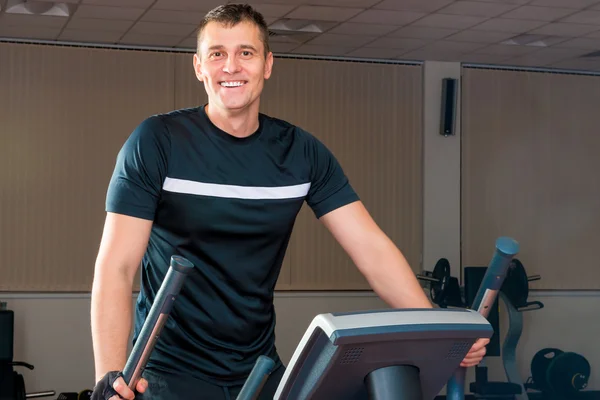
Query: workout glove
{"x": 104, "y": 388}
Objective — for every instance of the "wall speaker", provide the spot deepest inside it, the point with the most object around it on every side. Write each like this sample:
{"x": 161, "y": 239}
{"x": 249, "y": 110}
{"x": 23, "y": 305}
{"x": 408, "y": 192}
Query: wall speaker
{"x": 448, "y": 114}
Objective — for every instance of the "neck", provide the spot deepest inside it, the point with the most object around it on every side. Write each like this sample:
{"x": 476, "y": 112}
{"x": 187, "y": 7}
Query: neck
{"x": 242, "y": 123}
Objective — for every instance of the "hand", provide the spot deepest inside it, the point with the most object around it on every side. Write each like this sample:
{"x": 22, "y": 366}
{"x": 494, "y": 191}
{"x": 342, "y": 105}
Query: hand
{"x": 112, "y": 387}
{"x": 476, "y": 354}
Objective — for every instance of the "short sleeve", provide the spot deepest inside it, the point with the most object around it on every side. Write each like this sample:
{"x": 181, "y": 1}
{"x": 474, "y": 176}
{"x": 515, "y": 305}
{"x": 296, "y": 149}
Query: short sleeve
{"x": 140, "y": 170}
{"x": 330, "y": 188}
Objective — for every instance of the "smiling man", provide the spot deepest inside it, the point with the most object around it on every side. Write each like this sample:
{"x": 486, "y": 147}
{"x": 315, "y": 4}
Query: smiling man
{"x": 221, "y": 185}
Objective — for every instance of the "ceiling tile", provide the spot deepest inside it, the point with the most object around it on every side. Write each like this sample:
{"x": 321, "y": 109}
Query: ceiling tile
{"x": 547, "y": 56}
{"x": 126, "y": 13}
{"x": 341, "y": 3}
{"x": 477, "y": 8}
{"x": 564, "y": 29}
{"x": 538, "y": 13}
{"x": 31, "y": 21}
{"x": 283, "y": 47}
{"x": 584, "y": 17}
{"x": 530, "y": 39}
{"x": 150, "y": 40}
{"x": 518, "y": 2}
{"x": 179, "y": 17}
{"x": 29, "y": 32}
{"x": 93, "y": 24}
{"x": 332, "y": 39}
{"x": 417, "y": 32}
{"x": 162, "y": 28}
{"x": 374, "y": 52}
{"x": 322, "y": 50}
{"x": 187, "y": 5}
{"x": 387, "y": 17}
{"x": 320, "y": 13}
{"x": 580, "y": 64}
{"x": 188, "y": 43}
{"x": 289, "y": 2}
{"x": 399, "y": 43}
{"x": 483, "y": 58}
{"x": 357, "y": 28}
{"x": 413, "y": 5}
{"x": 581, "y": 43}
{"x": 480, "y": 36}
{"x": 453, "y": 47}
{"x": 120, "y": 3}
{"x": 296, "y": 38}
{"x": 508, "y": 25}
{"x": 288, "y": 25}
{"x": 576, "y": 4}
{"x": 507, "y": 50}
{"x": 76, "y": 35}
{"x": 273, "y": 10}
{"x": 431, "y": 55}
{"x": 449, "y": 21}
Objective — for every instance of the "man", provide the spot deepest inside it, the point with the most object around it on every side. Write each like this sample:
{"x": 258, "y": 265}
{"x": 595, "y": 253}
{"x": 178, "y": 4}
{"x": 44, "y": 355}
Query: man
{"x": 221, "y": 185}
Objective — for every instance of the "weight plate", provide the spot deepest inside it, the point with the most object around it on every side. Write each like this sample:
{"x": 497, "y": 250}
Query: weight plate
{"x": 568, "y": 374}
{"x": 516, "y": 285}
{"x": 438, "y": 290}
{"x": 539, "y": 366}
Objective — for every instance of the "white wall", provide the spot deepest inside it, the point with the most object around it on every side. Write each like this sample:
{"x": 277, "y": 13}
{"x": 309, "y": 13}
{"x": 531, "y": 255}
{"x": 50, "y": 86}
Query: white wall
{"x": 52, "y": 332}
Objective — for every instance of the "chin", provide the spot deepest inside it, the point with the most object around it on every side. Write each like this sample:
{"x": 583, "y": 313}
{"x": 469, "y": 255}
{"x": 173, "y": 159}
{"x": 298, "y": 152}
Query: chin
{"x": 237, "y": 105}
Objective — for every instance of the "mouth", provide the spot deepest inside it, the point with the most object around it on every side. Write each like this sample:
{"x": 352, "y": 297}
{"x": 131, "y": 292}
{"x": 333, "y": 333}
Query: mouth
{"x": 232, "y": 84}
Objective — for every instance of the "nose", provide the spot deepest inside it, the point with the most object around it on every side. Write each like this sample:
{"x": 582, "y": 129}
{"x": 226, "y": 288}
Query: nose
{"x": 231, "y": 65}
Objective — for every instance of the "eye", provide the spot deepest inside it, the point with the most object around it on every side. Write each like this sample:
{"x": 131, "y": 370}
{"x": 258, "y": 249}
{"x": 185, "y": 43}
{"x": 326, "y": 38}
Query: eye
{"x": 246, "y": 53}
{"x": 215, "y": 54}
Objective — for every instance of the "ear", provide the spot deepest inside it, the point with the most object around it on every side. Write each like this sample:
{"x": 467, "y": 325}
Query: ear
{"x": 198, "y": 67}
{"x": 268, "y": 65}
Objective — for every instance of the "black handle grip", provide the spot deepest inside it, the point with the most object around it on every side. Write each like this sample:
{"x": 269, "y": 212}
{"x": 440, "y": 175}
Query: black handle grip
{"x": 159, "y": 312}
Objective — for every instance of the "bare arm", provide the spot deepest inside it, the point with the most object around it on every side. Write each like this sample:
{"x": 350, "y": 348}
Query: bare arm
{"x": 123, "y": 244}
{"x": 376, "y": 256}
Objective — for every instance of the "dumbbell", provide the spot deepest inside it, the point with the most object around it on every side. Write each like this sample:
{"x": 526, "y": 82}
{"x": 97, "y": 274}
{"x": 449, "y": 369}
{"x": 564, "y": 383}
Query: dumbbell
{"x": 559, "y": 373}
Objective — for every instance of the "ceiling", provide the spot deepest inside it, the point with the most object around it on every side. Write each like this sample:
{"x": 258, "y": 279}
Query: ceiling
{"x": 562, "y": 34}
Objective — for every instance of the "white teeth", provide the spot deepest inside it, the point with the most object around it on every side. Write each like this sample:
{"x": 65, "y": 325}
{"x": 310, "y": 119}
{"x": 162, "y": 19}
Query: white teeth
{"x": 232, "y": 84}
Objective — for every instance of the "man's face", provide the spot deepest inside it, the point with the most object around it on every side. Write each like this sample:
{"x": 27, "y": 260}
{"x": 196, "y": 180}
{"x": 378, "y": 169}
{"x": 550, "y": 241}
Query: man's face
{"x": 232, "y": 64}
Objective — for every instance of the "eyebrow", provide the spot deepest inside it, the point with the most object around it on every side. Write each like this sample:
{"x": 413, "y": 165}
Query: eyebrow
{"x": 243, "y": 46}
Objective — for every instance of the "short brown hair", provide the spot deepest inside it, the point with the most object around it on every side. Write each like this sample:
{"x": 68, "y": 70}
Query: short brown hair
{"x": 232, "y": 14}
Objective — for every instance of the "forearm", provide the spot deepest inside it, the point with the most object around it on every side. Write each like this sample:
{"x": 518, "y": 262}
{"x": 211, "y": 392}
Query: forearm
{"x": 389, "y": 274}
{"x": 111, "y": 319}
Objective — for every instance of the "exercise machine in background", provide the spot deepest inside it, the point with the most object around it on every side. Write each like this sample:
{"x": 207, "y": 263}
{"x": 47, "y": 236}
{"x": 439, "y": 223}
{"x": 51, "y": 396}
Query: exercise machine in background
{"x": 555, "y": 375}
{"x": 12, "y": 383}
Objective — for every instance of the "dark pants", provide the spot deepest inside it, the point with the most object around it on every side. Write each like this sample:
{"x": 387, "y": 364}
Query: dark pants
{"x": 165, "y": 386}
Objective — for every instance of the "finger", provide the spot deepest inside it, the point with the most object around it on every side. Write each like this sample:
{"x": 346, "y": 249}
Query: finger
{"x": 479, "y": 354}
{"x": 123, "y": 390}
{"x": 469, "y": 364}
{"x": 480, "y": 343}
{"x": 142, "y": 385}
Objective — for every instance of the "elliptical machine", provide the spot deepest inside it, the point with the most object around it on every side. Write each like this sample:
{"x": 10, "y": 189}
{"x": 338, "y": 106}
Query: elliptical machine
{"x": 446, "y": 292}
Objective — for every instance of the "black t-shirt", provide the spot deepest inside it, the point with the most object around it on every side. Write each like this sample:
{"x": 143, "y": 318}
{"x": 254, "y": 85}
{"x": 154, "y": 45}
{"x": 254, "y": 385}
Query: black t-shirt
{"x": 228, "y": 205}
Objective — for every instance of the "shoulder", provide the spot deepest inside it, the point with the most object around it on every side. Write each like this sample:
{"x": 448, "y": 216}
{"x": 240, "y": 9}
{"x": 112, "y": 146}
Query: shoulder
{"x": 282, "y": 129}
{"x": 163, "y": 125}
